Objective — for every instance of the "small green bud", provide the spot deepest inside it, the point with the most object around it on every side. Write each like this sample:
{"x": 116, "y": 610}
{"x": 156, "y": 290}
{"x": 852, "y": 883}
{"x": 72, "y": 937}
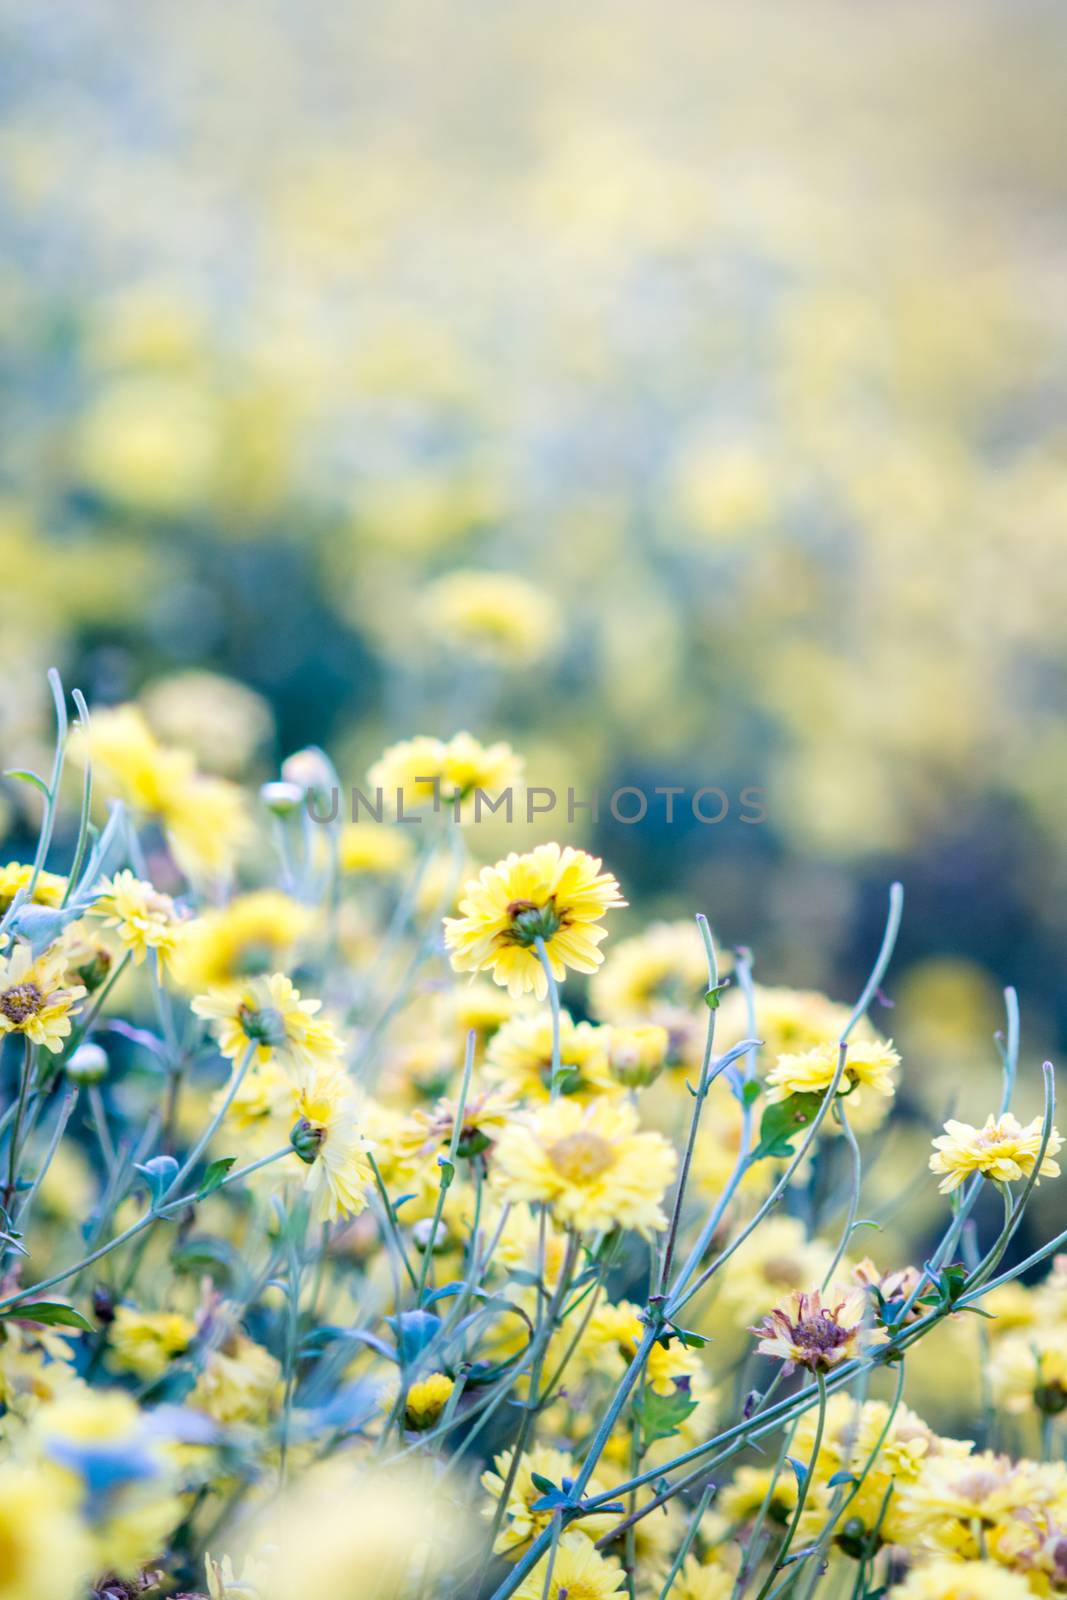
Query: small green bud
{"x": 88, "y": 1064}
{"x": 282, "y": 798}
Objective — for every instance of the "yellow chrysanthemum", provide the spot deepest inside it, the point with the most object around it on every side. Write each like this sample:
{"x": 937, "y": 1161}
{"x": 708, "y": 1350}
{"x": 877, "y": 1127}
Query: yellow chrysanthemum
{"x": 493, "y": 615}
{"x": 637, "y": 1054}
{"x": 579, "y": 1572}
{"x": 48, "y": 890}
{"x": 870, "y": 1063}
{"x": 328, "y": 1138}
{"x": 520, "y": 1058}
{"x": 418, "y": 770}
{"x": 960, "y": 1506}
{"x": 45, "y": 1552}
{"x": 521, "y": 1522}
{"x": 591, "y": 1165}
{"x": 143, "y": 918}
{"x": 805, "y": 1332}
{"x": 35, "y": 998}
{"x": 255, "y": 934}
{"x": 269, "y": 1014}
{"x": 239, "y": 1382}
{"x": 789, "y": 1021}
{"x": 145, "y": 1342}
{"x": 426, "y": 1399}
{"x": 1003, "y": 1149}
{"x": 703, "y": 1581}
{"x": 659, "y": 976}
{"x": 775, "y": 1260}
{"x": 558, "y": 895}
{"x": 223, "y": 1582}
{"x": 1029, "y": 1369}
{"x": 619, "y": 1327}
{"x": 962, "y": 1580}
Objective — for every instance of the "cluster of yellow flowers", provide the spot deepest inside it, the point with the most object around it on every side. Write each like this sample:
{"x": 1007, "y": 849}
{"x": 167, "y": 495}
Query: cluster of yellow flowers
{"x": 323, "y": 1217}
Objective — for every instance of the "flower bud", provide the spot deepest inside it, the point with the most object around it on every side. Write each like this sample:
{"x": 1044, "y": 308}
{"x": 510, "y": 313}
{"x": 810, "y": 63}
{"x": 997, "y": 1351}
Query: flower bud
{"x": 306, "y": 1139}
{"x": 420, "y": 1236}
{"x": 88, "y": 1064}
{"x": 281, "y": 798}
{"x": 637, "y": 1054}
{"x": 312, "y": 772}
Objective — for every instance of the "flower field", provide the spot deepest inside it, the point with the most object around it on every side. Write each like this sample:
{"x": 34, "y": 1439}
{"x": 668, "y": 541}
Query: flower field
{"x": 532, "y": 895}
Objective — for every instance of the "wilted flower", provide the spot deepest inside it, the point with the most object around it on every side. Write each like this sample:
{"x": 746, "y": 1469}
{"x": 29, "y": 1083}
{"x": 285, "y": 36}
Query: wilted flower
{"x": 806, "y": 1333}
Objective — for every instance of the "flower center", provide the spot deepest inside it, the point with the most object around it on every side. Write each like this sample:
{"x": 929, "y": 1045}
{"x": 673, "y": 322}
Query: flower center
{"x": 821, "y": 1334}
{"x": 581, "y": 1157}
{"x": 264, "y": 1027}
{"x": 23, "y": 1001}
{"x": 530, "y": 922}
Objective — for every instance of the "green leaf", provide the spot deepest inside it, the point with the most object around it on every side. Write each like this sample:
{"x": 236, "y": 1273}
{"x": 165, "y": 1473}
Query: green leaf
{"x": 52, "y": 1313}
{"x": 713, "y": 996}
{"x": 214, "y": 1175}
{"x": 29, "y": 777}
{"x": 781, "y": 1123}
{"x": 751, "y": 1090}
{"x": 661, "y": 1415}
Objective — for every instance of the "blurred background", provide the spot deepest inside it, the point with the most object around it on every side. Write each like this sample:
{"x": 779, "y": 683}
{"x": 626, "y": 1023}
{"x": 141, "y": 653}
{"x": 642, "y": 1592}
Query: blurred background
{"x": 676, "y": 392}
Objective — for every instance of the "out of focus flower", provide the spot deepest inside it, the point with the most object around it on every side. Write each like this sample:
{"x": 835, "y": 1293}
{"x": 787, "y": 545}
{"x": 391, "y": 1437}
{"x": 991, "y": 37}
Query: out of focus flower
{"x": 521, "y": 1523}
{"x": 238, "y": 1382}
{"x": 46, "y": 1549}
{"x": 656, "y": 976}
{"x": 494, "y": 615}
{"x": 327, "y": 1137}
{"x": 254, "y": 934}
{"x": 591, "y": 1165}
{"x": 369, "y": 849}
{"x": 144, "y": 918}
{"x": 637, "y": 1054}
{"x": 269, "y": 1014}
{"x": 961, "y": 1580}
{"x": 520, "y": 1057}
{"x": 1002, "y": 1149}
{"x": 145, "y": 1342}
{"x": 35, "y": 998}
{"x": 806, "y": 1333}
{"x": 221, "y": 721}
{"x": 703, "y": 1581}
{"x": 16, "y": 875}
{"x": 553, "y": 894}
{"x": 427, "y": 770}
{"x": 1029, "y": 1369}
{"x": 223, "y": 1583}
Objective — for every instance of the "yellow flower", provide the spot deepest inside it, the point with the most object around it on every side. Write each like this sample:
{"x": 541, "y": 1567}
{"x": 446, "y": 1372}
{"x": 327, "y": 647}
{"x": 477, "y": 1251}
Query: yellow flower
{"x": 789, "y": 1021}
{"x": 145, "y": 1342}
{"x": 45, "y": 1552}
{"x": 520, "y": 1057}
{"x": 740, "y": 1499}
{"x": 579, "y": 1572}
{"x": 224, "y": 1584}
{"x": 239, "y": 1382}
{"x": 554, "y": 894}
{"x": 806, "y": 1333}
{"x": 48, "y": 890}
{"x": 703, "y": 1581}
{"x": 660, "y": 976}
{"x": 269, "y": 1013}
{"x": 493, "y": 615}
{"x": 776, "y": 1259}
{"x": 638, "y": 1053}
{"x": 961, "y": 1505}
{"x": 418, "y": 770}
{"x": 35, "y": 999}
{"x": 620, "y": 1327}
{"x": 521, "y": 1522}
{"x": 203, "y": 818}
{"x": 144, "y": 918}
{"x": 962, "y": 1580}
{"x": 869, "y": 1063}
{"x": 328, "y": 1138}
{"x": 1003, "y": 1150}
{"x": 1030, "y": 1369}
{"x": 256, "y": 933}
{"x": 591, "y": 1165}
{"x": 370, "y": 848}
{"x": 486, "y": 1114}
{"x": 426, "y": 1399}
{"x": 266, "y": 1091}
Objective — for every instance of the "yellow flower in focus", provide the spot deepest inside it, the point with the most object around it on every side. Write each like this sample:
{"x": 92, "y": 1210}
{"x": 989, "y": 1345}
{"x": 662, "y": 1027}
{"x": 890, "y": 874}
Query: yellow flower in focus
{"x": 48, "y": 890}
{"x": 1002, "y": 1149}
{"x": 493, "y": 615}
{"x": 255, "y": 934}
{"x": 591, "y": 1165}
{"x": 426, "y": 1399}
{"x": 869, "y": 1063}
{"x": 269, "y": 1014}
{"x": 370, "y": 849}
{"x": 520, "y": 1058}
{"x": 35, "y": 999}
{"x": 620, "y": 1327}
{"x": 145, "y": 1342}
{"x": 558, "y": 895}
{"x": 424, "y": 770}
{"x": 144, "y": 918}
{"x": 962, "y": 1580}
{"x": 45, "y": 1553}
{"x": 521, "y": 1522}
{"x": 328, "y": 1139}
{"x": 806, "y": 1333}
{"x": 579, "y": 1572}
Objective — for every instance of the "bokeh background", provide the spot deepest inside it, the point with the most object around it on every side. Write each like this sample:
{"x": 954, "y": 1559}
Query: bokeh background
{"x": 731, "y": 338}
